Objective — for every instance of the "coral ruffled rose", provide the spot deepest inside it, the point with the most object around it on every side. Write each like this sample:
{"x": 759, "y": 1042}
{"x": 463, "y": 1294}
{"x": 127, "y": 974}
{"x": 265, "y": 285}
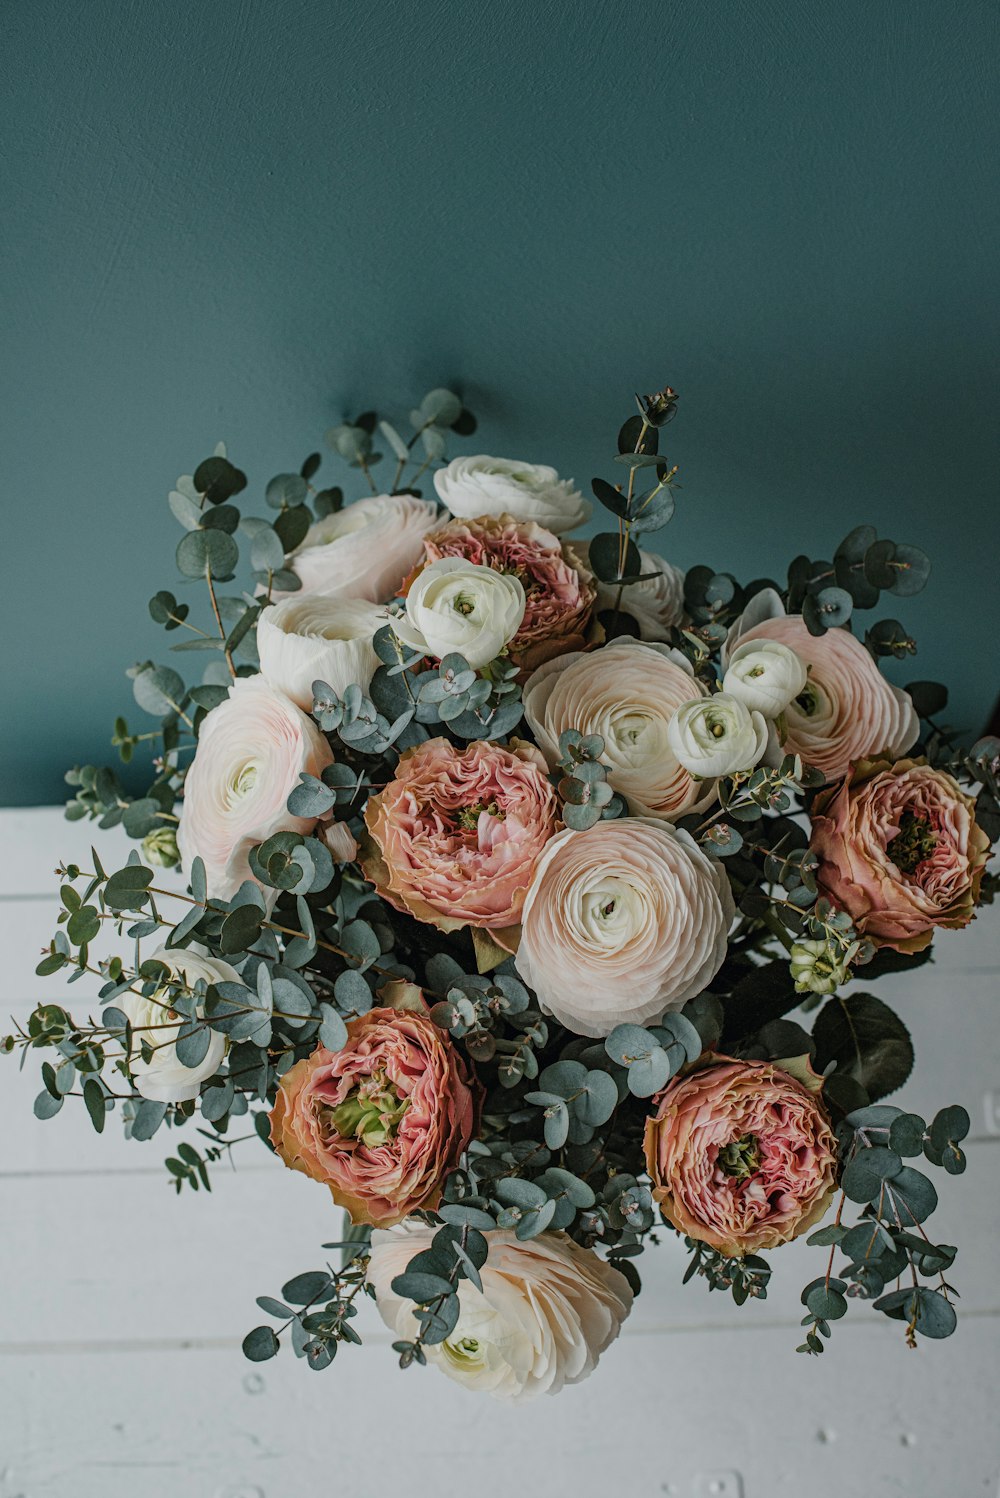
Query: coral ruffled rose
{"x": 383, "y": 1121}
{"x": 741, "y": 1155}
{"x": 455, "y": 836}
{"x": 622, "y": 923}
{"x": 559, "y": 594}
{"x": 547, "y": 1311}
{"x": 364, "y": 550}
{"x": 627, "y": 692}
{"x": 900, "y": 850}
{"x": 847, "y": 710}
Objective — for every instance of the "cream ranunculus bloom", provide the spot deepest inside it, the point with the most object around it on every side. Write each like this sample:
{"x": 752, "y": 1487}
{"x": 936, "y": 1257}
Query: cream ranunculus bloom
{"x": 765, "y": 675}
{"x": 251, "y": 751}
{"x": 474, "y": 487}
{"x": 163, "y": 1079}
{"x": 715, "y": 736}
{"x": 455, "y": 605}
{"x": 622, "y": 923}
{"x": 656, "y": 604}
{"x": 366, "y": 549}
{"x": 547, "y": 1311}
{"x": 627, "y": 692}
{"x": 310, "y": 637}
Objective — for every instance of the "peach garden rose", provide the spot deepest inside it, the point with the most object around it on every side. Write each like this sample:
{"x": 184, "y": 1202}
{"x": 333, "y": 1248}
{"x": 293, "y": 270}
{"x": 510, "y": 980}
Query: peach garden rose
{"x": 900, "y": 851}
{"x": 381, "y": 1122}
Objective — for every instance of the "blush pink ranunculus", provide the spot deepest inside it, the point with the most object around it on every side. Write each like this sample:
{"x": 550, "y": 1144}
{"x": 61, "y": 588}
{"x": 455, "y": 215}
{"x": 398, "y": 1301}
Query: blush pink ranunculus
{"x": 455, "y": 836}
{"x": 364, "y": 550}
{"x": 559, "y": 594}
{"x": 900, "y": 850}
{"x": 381, "y": 1122}
{"x": 847, "y": 710}
{"x": 741, "y": 1154}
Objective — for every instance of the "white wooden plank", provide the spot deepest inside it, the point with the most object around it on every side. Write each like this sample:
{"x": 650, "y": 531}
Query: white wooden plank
{"x": 684, "y": 1416}
{"x": 41, "y": 837}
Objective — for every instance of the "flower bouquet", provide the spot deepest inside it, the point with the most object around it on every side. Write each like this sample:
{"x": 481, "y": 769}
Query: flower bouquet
{"x": 524, "y": 882}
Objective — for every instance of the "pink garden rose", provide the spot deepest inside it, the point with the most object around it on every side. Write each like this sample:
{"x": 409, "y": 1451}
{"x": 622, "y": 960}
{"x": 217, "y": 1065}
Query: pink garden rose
{"x": 900, "y": 850}
{"x": 847, "y": 710}
{"x": 455, "y": 836}
{"x": 741, "y": 1154}
{"x": 559, "y": 595}
{"x": 383, "y": 1121}
{"x": 364, "y": 550}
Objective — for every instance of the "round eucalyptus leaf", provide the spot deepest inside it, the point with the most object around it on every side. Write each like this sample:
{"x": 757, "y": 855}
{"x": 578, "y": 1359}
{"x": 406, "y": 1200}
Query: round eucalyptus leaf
{"x": 209, "y": 552}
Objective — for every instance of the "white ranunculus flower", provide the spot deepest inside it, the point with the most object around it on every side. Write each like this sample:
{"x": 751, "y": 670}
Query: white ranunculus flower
{"x": 163, "y": 1079}
{"x": 716, "y": 736}
{"x": 311, "y": 637}
{"x": 455, "y": 605}
{"x": 251, "y": 751}
{"x": 473, "y": 487}
{"x": 765, "y": 675}
{"x": 622, "y": 923}
{"x": 366, "y": 549}
{"x": 627, "y": 692}
{"x": 656, "y": 604}
{"x": 547, "y": 1311}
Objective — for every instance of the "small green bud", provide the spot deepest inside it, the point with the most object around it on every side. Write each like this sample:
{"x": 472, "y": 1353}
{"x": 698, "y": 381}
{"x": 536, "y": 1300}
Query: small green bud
{"x": 160, "y": 848}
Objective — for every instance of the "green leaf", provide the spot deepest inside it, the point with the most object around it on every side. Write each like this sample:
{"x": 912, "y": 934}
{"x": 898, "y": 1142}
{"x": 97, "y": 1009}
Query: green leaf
{"x": 286, "y": 490}
{"x": 260, "y": 1344}
{"x": 207, "y": 551}
{"x": 93, "y": 1096}
{"x": 604, "y": 556}
{"x": 218, "y": 479}
{"x": 302, "y": 1289}
{"x": 47, "y": 1106}
{"x": 866, "y": 1040}
{"x": 158, "y": 690}
{"x": 420, "y": 1287}
{"x": 866, "y": 1172}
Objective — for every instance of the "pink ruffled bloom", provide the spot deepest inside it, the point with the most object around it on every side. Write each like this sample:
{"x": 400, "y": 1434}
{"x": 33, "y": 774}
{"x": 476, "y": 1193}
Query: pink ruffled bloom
{"x": 900, "y": 850}
{"x": 559, "y": 594}
{"x": 454, "y": 838}
{"x": 383, "y": 1121}
{"x": 848, "y": 710}
{"x": 741, "y": 1155}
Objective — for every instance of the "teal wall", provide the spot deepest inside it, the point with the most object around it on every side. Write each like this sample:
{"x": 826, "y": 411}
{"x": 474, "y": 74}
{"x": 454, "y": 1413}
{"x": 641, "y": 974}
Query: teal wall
{"x": 238, "y": 219}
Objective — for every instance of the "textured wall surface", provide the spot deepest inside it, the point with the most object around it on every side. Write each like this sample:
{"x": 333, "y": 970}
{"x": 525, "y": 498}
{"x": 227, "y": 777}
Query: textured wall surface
{"x": 239, "y": 220}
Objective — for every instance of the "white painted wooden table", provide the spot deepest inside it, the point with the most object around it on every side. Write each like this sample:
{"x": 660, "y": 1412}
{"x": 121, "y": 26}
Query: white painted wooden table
{"x": 122, "y": 1308}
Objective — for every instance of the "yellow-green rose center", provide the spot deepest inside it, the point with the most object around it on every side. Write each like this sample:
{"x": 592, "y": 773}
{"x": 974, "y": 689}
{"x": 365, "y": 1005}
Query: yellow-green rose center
{"x": 371, "y": 1113}
{"x": 740, "y": 1157}
{"x": 914, "y": 842}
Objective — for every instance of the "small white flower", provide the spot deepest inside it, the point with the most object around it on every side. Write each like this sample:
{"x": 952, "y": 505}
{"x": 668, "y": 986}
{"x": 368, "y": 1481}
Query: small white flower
{"x": 474, "y": 487}
{"x": 315, "y": 638}
{"x": 765, "y": 675}
{"x": 455, "y": 605}
{"x": 163, "y": 1078}
{"x": 716, "y": 736}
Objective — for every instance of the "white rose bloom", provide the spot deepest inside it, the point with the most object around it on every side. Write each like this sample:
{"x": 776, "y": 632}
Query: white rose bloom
{"x": 656, "y": 604}
{"x": 474, "y": 487}
{"x": 716, "y": 736}
{"x": 455, "y": 605}
{"x": 622, "y": 923}
{"x": 627, "y": 692}
{"x": 315, "y": 638}
{"x": 365, "y": 550}
{"x": 547, "y": 1311}
{"x": 251, "y": 750}
{"x": 163, "y": 1079}
{"x": 765, "y": 675}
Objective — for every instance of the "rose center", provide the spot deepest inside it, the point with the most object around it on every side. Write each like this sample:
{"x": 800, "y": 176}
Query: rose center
{"x": 807, "y": 701}
{"x": 463, "y": 604}
{"x": 244, "y": 780}
{"x": 371, "y": 1113}
{"x": 914, "y": 842}
{"x": 740, "y": 1157}
{"x": 468, "y": 816}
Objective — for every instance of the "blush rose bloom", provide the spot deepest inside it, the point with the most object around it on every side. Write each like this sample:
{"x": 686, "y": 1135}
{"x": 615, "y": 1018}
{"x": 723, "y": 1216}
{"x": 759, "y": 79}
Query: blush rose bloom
{"x": 627, "y": 692}
{"x": 455, "y": 605}
{"x": 622, "y": 923}
{"x": 473, "y": 487}
{"x": 455, "y": 836}
{"x": 559, "y": 594}
{"x": 251, "y": 751}
{"x": 314, "y": 638}
{"x": 163, "y": 1078}
{"x": 364, "y": 550}
{"x": 547, "y": 1311}
{"x": 656, "y": 604}
{"x": 741, "y": 1155}
{"x": 383, "y": 1121}
{"x": 900, "y": 850}
{"x": 847, "y": 710}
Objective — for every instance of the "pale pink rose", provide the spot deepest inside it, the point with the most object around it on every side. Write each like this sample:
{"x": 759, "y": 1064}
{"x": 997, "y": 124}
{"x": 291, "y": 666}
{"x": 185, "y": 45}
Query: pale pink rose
{"x": 900, "y": 850}
{"x": 364, "y": 550}
{"x": 847, "y": 711}
{"x": 383, "y": 1121}
{"x": 547, "y": 1311}
{"x": 656, "y": 604}
{"x": 622, "y": 923}
{"x": 741, "y": 1155}
{"x": 454, "y": 837}
{"x": 251, "y": 750}
{"x": 627, "y": 692}
{"x": 559, "y": 595}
